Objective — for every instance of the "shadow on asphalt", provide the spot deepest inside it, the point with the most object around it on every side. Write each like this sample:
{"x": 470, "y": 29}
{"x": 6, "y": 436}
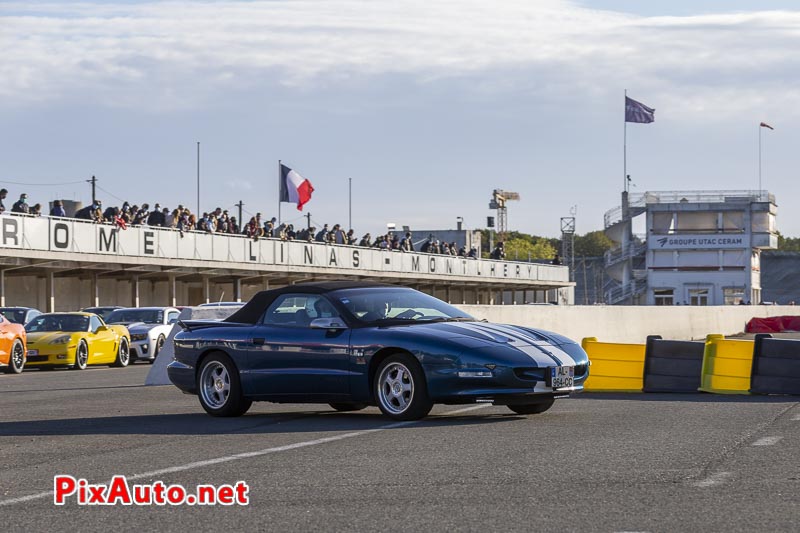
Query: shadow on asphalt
{"x": 697, "y": 397}
{"x": 252, "y": 424}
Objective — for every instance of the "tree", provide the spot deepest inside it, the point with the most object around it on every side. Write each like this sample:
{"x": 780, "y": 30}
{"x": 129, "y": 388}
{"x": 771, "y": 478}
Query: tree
{"x": 788, "y": 244}
{"x": 533, "y": 247}
{"x": 593, "y": 244}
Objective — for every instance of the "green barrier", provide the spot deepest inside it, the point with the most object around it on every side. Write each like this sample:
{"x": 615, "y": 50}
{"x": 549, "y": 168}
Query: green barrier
{"x": 727, "y": 365}
{"x": 615, "y": 367}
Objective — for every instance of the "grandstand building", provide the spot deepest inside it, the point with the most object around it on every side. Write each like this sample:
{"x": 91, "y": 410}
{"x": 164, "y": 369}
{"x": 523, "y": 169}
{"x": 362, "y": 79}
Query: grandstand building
{"x": 699, "y": 247}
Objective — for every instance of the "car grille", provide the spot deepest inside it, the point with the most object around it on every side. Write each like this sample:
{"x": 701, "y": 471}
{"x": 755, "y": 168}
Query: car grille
{"x": 530, "y": 373}
{"x": 538, "y": 374}
{"x": 36, "y": 358}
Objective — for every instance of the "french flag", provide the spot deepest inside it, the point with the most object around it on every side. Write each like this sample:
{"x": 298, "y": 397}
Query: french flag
{"x": 295, "y": 188}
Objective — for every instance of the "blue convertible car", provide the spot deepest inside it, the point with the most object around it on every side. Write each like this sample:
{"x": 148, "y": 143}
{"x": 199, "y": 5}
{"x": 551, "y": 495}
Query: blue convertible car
{"x": 354, "y": 344}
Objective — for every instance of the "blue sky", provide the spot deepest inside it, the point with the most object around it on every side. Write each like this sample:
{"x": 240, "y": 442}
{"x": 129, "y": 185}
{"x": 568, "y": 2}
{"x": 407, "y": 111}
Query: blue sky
{"x": 427, "y": 106}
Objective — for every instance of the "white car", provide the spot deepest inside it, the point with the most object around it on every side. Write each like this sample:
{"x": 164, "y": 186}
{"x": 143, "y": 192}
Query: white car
{"x": 149, "y": 328}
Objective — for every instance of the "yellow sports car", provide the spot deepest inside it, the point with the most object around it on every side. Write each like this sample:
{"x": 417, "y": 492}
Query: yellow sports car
{"x": 76, "y": 340}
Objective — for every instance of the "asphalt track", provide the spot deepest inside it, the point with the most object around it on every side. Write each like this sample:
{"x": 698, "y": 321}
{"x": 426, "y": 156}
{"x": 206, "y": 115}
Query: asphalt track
{"x": 595, "y": 462}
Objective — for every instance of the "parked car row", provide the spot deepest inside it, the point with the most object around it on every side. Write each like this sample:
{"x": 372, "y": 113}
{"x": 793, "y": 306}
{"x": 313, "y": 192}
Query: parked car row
{"x": 113, "y": 336}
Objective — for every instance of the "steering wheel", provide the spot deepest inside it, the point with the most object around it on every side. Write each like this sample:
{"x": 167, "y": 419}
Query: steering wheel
{"x": 409, "y": 313}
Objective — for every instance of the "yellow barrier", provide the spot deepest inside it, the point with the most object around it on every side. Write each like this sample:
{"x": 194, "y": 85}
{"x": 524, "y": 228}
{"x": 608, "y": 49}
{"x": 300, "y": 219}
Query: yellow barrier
{"x": 615, "y": 367}
{"x": 727, "y": 364}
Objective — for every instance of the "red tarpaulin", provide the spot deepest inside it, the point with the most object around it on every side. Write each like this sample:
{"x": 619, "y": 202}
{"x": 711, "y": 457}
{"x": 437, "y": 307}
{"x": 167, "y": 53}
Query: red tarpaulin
{"x": 775, "y": 324}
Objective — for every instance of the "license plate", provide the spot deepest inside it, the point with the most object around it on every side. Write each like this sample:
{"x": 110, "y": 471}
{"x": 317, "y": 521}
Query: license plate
{"x": 33, "y": 352}
{"x": 562, "y": 377}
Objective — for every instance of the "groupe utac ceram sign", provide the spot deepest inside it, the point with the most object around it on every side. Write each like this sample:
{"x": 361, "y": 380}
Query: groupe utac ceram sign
{"x": 699, "y": 242}
{"x": 49, "y": 234}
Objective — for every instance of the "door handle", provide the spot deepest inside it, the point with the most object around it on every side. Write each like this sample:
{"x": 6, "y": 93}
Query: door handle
{"x": 258, "y": 341}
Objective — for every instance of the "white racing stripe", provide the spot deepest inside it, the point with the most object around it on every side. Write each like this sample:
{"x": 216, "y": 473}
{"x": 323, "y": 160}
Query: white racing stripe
{"x": 535, "y": 350}
{"x": 247, "y": 455}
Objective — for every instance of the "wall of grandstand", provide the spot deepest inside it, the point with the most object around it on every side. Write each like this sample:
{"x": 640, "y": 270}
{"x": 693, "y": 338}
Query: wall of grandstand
{"x": 57, "y": 238}
{"x": 631, "y": 324}
{"x": 63, "y": 264}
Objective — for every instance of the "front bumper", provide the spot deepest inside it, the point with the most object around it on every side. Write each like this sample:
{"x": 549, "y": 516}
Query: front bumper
{"x": 51, "y": 354}
{"x": 505, "y": 385}
{"x": 143, "y": 350}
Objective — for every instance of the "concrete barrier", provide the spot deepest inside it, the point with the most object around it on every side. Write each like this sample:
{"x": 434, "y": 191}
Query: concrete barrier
{"x": 158, "y": 372}
{"x": 727, "y": 365}
{"x": 629, "y": 323}
{"x": 615, "y": 367}
{"x": 776, "y": 366}
{"x": 672, "y": 366}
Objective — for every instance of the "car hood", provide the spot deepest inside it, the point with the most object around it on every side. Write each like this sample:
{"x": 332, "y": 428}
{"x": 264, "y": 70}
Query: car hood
{"x": 543, "y": 347}
{"x": 46, "y": 336}
{"x": 139, "y": 327}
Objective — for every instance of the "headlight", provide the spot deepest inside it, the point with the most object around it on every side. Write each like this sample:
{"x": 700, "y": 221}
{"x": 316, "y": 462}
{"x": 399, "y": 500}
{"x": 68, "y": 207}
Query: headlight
{"x": 138, "y": 336}
{"x": 64, "y": 339}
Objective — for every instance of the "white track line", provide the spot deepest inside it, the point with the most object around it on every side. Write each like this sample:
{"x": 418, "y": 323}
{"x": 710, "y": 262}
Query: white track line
{"x": 713, "y": 480}
{"x": 247, "y": 455}
{"x": 766, "y": 441}
{"x": 796, "y": 418}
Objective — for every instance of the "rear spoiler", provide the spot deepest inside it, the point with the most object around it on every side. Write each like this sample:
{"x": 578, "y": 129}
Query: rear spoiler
{"x": 191, "y": 325}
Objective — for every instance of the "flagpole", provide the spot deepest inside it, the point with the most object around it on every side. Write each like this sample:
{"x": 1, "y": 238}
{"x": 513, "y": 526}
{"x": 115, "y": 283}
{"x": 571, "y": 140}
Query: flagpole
{"x": 759, "y": 159}
{"x": 198, "y": 179}
{"x": 350, "y": 203}
{"x": 625, "y": 143}
{"x": 279, "y": 192}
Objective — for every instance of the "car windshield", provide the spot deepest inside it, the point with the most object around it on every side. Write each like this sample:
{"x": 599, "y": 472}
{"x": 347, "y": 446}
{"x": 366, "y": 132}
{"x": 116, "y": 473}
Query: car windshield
{"x": 382, "y": 305}
{"x": 127, "y": 316}
{"x": 58, "y": 323}
{"x": 14, "y": 315}
{"x": 102, "y": 312}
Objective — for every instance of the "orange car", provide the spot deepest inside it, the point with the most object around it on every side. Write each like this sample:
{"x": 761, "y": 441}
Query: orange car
{"x": 12, "y": 346}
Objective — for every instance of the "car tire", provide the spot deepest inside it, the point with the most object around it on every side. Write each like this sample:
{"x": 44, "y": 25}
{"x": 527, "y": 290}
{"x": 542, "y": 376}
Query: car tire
{"x": 219, "y": 387}
{"x": 532, "y": 408}
{"x": 345, "y": 407}
{"x": 400, "y": 388}
{"x": 159, "y": 344}
{"x": 123, "y": 354}
{"x": 16, "y": 358}
{"x": 81, "y": 356}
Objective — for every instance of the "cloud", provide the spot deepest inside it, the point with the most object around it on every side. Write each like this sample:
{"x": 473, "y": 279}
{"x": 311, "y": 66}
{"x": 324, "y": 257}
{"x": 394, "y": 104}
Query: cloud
{"x": 184, "y": 54}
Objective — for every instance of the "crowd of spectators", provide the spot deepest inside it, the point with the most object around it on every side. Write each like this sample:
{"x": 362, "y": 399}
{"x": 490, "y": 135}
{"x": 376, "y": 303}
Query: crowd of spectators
{"x": 220, "y": 221}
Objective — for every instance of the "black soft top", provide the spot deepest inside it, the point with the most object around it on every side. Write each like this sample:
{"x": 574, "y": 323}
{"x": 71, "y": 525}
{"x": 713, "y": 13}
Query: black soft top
{"x": 251, "y": 312}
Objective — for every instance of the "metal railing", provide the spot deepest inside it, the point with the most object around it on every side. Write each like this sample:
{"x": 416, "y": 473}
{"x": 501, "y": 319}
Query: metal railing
{"x": 618, "y": 292}
{"x": 637, "y": 203}
{"x": 622, "y": 253}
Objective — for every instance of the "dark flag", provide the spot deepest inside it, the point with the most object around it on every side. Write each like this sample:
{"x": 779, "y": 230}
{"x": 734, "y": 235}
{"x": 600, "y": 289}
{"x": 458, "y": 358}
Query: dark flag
{"x": 638, "y": 112}
{"x": 765, "y": 125}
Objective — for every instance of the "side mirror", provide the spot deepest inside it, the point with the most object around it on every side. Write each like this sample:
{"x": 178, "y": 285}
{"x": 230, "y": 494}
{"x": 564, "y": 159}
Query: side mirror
{"x": 101, "y": 328}
{"x": 328, "y": 323}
